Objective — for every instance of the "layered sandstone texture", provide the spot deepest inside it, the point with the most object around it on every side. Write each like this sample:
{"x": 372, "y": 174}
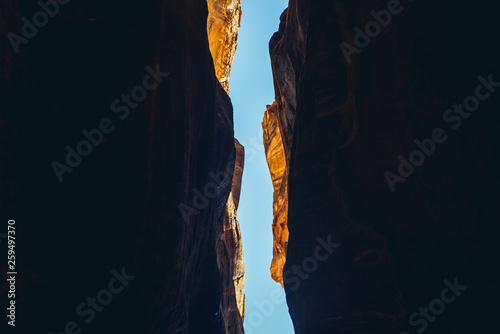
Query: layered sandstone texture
{"x": 279, "y": 163}
{"x": 224, "y": 18}
{"x": 118, "y": 209}
{"x": 339, "y": 124}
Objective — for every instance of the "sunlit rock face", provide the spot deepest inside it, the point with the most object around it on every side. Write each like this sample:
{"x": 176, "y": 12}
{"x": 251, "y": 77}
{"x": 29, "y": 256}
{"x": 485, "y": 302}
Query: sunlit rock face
{"x": 278, "y": 166}
{"x": 278, "y": 123}
{"x": 119, "y": 208}
{"x": 339, "y": 125}
{"x": 224, "y": 17}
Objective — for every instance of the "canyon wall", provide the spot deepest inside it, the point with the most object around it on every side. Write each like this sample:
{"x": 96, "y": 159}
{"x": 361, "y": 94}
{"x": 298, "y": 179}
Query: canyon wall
{"x": 230, "y": 254}
{"x": 376, "y": 244}
{"x": 117, "y": 160}
{"x": 224, "y": 18}
{"x": 279, "y": 164}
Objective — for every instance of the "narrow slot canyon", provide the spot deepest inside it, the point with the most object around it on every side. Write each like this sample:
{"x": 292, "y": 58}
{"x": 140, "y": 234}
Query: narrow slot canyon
{"x": 247, "y": 166}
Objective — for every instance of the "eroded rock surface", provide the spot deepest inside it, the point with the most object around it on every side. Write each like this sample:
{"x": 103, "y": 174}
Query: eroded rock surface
{"x": 344, "y": 124}
{"x": 230, "y": 254}
{"x": 279, "y": 163}
{"x": 224, "y": 18}
{"x": 119, "y": 207}
{"x": 222, "y": 26}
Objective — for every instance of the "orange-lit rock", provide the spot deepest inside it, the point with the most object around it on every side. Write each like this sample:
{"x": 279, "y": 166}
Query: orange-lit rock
{"x": 278, "y": 166}
{"x": 278, "y": 128}
{"x": 223, "y": 22}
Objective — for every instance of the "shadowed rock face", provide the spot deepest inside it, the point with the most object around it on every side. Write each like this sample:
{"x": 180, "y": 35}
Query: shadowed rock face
{"x": 230, "y": 254}
{"x": 341, "y": 125}
{"x": 118, "y": 208}
{"x": 223, "y": 22}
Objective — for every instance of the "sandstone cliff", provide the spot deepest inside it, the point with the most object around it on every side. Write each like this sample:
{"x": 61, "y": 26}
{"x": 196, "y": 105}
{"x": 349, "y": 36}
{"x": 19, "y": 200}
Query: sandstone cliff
{"x": 118, "y": 208}
{"x": 224, "y": 17}
{"x": 223, "y": 22}
{"x": 337, "y": 126}
{"x": 286, "y": 49}
{"x": 279, "y": 163}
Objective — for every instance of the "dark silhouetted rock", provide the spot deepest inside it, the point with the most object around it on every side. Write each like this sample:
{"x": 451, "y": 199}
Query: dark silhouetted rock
{"x": 119, "y": 208}
{"x": 343, "y": 124}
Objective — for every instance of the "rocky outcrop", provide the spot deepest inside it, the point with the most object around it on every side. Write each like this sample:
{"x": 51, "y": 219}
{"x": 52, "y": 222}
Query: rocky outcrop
{"x": 279, "y": 163}
{"x": 224, "y": 18}
{"x": 286, "y": 59}
{"x": 114, "y": 221}
{"x": 362, "y": 258}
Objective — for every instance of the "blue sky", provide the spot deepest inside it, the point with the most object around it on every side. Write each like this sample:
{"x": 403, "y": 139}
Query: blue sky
{"x": 251, "y": 89}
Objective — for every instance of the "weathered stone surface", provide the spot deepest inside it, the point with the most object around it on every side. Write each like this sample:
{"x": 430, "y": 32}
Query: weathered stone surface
{"x": 278, "y": 162}
{"x": 352, "y": 121}
{"x": 230, "y": 255}
{"x": 224, "y": 17}
{"x": 119, "y": 208}
{"x": 286, "y": 49}
{"x": 222, "y": 26}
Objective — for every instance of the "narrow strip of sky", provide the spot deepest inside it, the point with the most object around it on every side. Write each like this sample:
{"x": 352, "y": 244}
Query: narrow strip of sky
{"x": 251, "y": 86}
